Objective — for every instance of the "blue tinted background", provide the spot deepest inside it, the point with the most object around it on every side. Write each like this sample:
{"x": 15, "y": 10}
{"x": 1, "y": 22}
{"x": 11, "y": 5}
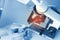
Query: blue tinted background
{"x": 19, "y": 13}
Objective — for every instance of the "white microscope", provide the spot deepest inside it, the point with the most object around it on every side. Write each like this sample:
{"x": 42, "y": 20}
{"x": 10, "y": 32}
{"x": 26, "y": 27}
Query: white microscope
{"x": 51, "y": 12}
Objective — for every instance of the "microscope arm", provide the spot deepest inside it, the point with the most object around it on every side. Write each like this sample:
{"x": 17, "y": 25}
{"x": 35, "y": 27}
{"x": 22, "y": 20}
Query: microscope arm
{"x": 54, "y": 16}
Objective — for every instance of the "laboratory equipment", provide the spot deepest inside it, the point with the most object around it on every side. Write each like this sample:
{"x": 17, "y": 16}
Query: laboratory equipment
{"x": 53, "y": 14}
{"x": 49, "y": 29}
{"x": 39, "y": 21}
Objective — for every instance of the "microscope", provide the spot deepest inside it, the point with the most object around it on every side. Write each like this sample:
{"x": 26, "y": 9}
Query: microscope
{"x": 44, "y": 18}
{"x": 53, "y": 14}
